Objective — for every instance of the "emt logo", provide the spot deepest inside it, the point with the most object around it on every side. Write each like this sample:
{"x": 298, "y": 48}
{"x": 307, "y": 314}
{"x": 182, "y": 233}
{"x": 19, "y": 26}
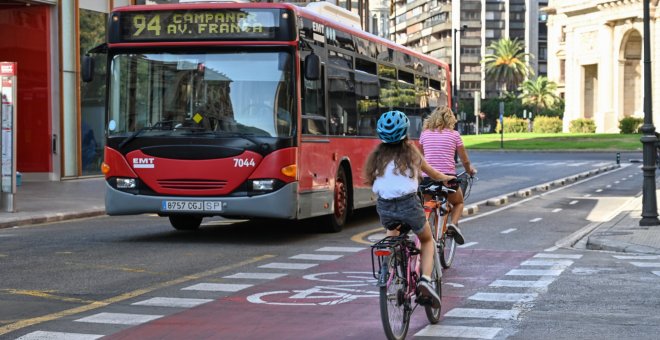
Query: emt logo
{"x": 143, "y": 162}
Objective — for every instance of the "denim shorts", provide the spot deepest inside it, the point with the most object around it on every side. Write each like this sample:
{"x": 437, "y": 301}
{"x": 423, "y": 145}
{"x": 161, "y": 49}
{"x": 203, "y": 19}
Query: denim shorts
{"x": 405, "y": 209}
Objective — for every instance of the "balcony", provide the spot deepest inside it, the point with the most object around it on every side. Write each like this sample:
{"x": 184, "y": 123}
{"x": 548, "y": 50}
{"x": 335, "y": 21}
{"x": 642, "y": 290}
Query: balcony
{"x": 470, "y": 77}
{"x": 470, "y": 59}
{"x": 436, "y": 45}
{"x": 470, "y": 41}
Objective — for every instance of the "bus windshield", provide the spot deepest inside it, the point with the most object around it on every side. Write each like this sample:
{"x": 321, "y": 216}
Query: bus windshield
{"x": 205, "y": 94}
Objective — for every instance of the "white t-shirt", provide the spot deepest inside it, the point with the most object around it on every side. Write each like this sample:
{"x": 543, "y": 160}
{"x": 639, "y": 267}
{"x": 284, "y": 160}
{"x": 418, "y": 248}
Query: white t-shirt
{"x": 392, "y": 185}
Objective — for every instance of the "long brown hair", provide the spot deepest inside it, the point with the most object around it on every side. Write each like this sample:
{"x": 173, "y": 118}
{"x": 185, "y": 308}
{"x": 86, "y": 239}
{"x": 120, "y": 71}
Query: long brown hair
{"x": 407, "y": 160}
{"x": 441, "y": 118}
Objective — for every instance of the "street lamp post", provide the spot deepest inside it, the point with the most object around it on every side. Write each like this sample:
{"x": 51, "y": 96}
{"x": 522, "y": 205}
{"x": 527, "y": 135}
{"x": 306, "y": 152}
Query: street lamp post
{"x": 649, "y": 140}
{"x": 455, "y": 71}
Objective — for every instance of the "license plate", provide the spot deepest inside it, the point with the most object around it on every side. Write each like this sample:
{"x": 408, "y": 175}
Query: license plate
{"x": 192, "y": 206}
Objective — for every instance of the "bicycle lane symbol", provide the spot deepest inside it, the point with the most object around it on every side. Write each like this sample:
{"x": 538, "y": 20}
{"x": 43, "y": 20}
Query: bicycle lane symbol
{"x": 343, "y": 287}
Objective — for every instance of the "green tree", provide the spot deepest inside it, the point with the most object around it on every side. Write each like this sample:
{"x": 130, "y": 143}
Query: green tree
{"x": 539, "y": 93}
{"x": 507, "y": 65}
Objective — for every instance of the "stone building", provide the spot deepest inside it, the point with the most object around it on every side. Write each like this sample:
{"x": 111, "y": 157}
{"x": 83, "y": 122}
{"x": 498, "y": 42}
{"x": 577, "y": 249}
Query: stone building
{"x": 595, "y": 55}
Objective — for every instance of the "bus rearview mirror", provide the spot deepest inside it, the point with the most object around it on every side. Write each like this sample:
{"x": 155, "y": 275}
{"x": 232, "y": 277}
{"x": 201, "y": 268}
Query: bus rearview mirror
{"x": 312, "y": 67}
{"x": 87, "y": 69}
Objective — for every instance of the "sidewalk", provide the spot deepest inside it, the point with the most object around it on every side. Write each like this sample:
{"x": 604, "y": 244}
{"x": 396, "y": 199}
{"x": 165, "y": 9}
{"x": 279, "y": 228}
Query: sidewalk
{"x": 41, "y": 202}
{"x": 624, "y": 234}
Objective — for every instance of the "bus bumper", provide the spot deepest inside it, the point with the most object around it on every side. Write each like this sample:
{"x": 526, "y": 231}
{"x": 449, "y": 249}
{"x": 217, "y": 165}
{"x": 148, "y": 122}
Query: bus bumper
{"x": 279, "y": 204}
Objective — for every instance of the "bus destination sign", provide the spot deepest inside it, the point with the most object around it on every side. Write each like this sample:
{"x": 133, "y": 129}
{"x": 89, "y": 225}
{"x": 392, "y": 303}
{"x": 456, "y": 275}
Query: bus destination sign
{"x": 211, "y": 24}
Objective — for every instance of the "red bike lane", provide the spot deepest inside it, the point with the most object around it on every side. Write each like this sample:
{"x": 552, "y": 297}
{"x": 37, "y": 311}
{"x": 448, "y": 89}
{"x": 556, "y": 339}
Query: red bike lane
{"x": 330, "y": 301}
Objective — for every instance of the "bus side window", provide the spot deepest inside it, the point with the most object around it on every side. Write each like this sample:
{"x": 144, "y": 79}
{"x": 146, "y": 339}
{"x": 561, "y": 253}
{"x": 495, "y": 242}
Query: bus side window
{"x": 313, "y": 108}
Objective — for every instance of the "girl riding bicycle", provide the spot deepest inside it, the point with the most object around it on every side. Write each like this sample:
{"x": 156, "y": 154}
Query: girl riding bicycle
{"x": 393, "y": 170}
{"x": 440, "y": 143}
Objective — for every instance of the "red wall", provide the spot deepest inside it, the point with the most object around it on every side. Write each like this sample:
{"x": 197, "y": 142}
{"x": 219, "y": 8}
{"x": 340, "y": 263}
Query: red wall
{"x": 25, "y": 39}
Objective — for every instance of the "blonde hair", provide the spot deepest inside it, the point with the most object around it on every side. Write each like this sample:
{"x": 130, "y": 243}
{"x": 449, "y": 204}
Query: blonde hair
{"x": 407, "y": 160}
{"x": 441, "y": 118}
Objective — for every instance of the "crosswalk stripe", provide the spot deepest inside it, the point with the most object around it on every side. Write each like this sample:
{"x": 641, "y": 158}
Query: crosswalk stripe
{"x": 257, "y": 276}
{"x": 172, "y": 302}
{"x": 119, "y": 318}
{"x": 645, "y": 264}
{"x": 548, "y": 262}
{"x": 479, "y": 313}
{"x": 316, "y": 257}
{"x": 559, "y": 256}
{"x": 342, "y": 249}
{"x": 522, "y": 283}
{"x": 217, "y": 287}
{"x": 459, "y": 332}
{"x": 637, "y": 257}
{"x": 535, "y": 272}
{"x": 504, "y": 297}
{"x": 43, "y": 335}
{"x": 280, "y": 265}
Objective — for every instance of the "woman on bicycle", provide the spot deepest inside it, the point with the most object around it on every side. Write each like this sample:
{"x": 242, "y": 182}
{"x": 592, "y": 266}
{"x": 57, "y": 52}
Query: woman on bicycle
{"x": 393, "y": 170}
{"x": 440, "y": 143}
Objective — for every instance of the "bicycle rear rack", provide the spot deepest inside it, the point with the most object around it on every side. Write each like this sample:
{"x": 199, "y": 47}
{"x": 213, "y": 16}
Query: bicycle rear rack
{"x": 386, "y": 247}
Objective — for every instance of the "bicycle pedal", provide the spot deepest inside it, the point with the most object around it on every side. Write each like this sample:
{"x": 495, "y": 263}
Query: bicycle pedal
{"x": 424, "y": 300}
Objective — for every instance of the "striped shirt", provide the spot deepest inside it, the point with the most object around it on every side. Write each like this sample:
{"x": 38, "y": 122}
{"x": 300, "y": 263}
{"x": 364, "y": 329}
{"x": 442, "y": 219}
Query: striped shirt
{"x": 439, "y": 149}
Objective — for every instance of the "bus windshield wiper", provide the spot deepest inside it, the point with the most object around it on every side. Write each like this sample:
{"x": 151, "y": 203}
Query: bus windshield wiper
{"x": 159, "y": 125}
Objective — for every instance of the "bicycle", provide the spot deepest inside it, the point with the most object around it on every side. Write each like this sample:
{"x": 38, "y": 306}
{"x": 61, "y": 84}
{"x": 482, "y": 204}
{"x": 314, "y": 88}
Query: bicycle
{"x": 398, "y": 275}
{"x": 438, "y": 209}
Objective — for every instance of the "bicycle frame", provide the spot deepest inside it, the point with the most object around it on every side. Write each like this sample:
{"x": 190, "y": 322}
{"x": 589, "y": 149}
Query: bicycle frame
{"x": 391, "y": 246}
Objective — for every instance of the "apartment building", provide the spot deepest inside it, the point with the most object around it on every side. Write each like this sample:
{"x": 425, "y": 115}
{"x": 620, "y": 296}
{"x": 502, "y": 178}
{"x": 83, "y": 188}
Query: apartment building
{"x": 428, "y": 26}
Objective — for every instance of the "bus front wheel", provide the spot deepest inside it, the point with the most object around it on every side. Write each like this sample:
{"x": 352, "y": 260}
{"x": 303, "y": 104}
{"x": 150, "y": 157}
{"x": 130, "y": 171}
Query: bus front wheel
{"x": 185, "y": 222}
{"x": 337, "y": 219}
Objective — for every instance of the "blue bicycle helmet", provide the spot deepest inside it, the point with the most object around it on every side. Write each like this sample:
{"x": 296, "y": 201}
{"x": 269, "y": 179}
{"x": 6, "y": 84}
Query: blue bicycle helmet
{"x": 392, "y": 126}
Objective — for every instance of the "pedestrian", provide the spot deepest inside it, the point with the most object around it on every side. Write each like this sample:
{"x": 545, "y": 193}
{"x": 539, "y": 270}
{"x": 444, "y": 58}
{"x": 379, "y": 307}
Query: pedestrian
{"x": 393, "y": 170}
{"x": 440, "y": 143}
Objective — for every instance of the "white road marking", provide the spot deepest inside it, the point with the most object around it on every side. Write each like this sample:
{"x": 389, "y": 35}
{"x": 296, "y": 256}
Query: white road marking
{"x": 549, "y": 262}
{"x": 119, "y": 318}
{"x": 42, "y": 335}
{"x": 217, "y": 287}
{"x": 457, "y": 285}
{"x": 637, "y": 257}
{"x": 617, "y": 182}
{"x": 257, "y": 276}
{"x": 556, "y": 210}
{"x": 552, "y": 248}
{"x": 522, "y": 283}
{"x": 342, "y": 249}
{"x": 315, "y": 257}
{"x": 608, "y": 186}
{"x": 504, "y": 297}
{"x": 646, "y": 264}
{"x": 469, "y": 244}
{"x": 535, "y": 272}
{"x": 279, "y": 265}
{"x": 573, "y": 202}
{"x": 172, "y": 302}
{"x": 535, "y": 219}
{"x": 586, "y": 195}
{"x": 459, "y": 332}
{"x": 656, "y": 272}
{"x": 501, "y": 314}
{"x": 558, "y": 256}
{"x": 508, "y": 231}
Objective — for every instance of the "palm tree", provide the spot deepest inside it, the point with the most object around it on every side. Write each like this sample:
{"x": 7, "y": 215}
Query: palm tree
{"x": 539, "y": 93}
{"x": 507, "y": 65}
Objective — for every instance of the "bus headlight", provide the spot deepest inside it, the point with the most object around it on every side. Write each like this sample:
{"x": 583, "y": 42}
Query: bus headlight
{"x": 263, "y": 184}
{"x": 126, "y": 183}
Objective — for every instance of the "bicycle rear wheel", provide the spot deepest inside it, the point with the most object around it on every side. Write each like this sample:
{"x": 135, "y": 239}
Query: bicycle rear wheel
{"x": 395, "y": 308}
{"x": 433, "y": 314}
{"x": 448, "y": 250}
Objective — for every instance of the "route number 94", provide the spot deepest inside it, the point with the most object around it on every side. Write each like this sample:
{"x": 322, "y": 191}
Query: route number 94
{"x": 242, "y": 163}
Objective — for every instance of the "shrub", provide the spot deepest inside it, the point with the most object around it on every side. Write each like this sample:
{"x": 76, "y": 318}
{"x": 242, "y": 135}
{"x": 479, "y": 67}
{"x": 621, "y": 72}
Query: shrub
{"x": 630, "y": 124}
{"x": 582, "y": 125}
{"x": 543, "y": 124}
{"x": 512, "y": 125}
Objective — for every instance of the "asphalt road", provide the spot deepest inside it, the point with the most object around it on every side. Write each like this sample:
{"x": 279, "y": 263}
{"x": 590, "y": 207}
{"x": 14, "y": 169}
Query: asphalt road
{"x": 105, "y": 276}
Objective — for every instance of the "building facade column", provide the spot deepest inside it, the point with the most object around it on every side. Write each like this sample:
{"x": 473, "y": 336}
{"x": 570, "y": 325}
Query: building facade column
{"x": 605, "y": 113}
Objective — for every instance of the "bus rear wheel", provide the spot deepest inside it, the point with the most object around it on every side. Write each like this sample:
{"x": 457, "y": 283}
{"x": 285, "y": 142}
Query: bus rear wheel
{"x": 185, "y": 222}
{"x": 337, "y": 219}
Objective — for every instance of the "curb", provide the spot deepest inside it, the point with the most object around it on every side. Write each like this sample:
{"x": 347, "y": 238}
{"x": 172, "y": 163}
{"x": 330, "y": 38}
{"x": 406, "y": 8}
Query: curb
{"x": 51, "y": 217}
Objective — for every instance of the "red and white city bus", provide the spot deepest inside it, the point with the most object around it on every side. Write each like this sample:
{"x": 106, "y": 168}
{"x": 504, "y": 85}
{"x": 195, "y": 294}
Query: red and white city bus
{"x": 251, "y": 110}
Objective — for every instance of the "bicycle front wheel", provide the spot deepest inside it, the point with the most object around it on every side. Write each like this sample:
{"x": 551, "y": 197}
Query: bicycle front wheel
{"x": 448, "y": 250}
{"x": 395, "y": 307}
